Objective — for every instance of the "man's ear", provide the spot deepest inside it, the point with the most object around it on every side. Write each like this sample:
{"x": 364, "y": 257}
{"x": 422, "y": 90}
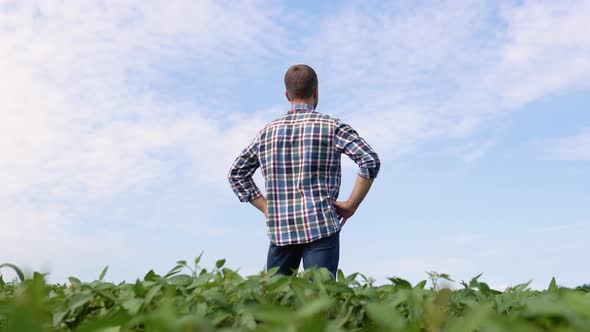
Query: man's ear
{"x": 316, "y": 93}
{"x": 287, "y": 95}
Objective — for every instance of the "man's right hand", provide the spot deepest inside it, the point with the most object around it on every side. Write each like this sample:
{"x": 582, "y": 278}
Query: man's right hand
{"x": 344, "y": 210}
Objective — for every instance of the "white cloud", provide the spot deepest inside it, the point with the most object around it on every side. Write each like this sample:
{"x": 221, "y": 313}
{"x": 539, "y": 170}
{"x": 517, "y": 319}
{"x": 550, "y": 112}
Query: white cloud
{"x": 566, "y": 227}
{"x": 81, "y": 121}
{"x": 547, "y": 50}
{"x": 472, "y": 151}
{"x": 410, "y": 74}
{"x": 394, "y": 72}
{"x": 84, "y": 116}
{"x": 76, "y": 98}
{"x": 576, "y": 147}
{"x": 76, "y": 113}
{"x": 79, "y": 116}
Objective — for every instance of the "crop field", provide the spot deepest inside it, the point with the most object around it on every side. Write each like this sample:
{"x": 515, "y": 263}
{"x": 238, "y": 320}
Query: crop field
{"x": 191, "y": 298}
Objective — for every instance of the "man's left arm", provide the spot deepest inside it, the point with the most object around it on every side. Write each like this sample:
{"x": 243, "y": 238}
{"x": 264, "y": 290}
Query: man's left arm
{"x": 240, "y": 177}
{"x": 260, "y": 203}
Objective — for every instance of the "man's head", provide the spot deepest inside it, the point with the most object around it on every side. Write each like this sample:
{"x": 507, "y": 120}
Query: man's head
{"x": 301, "y": 83}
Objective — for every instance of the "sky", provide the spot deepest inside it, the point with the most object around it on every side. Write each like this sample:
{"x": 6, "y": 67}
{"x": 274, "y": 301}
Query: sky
{"x": 120, "y": 120}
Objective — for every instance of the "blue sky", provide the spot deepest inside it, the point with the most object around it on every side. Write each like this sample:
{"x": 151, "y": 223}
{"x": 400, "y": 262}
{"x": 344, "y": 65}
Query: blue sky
{"x": 120, "y": 121}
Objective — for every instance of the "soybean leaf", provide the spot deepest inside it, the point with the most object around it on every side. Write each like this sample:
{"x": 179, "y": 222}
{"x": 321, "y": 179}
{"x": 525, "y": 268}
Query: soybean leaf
{"x": 197, "y": 260}
{"x": 552, "y": 286}
{"x": 110, "y": 321}
{"x": 401, "y": 283}
{"x": 138, "y": 288}
{"x": 132, "y": 305}
{"x": 58, "y": 317}
{"x": 474, "y": 281}
{"x": 16, "y": 269}
{"x": 421, "y": 284}
{"x": 174, "y": 271}
{"x": 271, "y": 313}
{"x": 219, "y": 263}
{"x": 152, "y": 293}
{"x": 385, "y": 316}
{"x": 79, "y": 300}
{"x": 448, "y": 278}
{"x": 181, "y": 280}
{"x": 315, "y": 307}
{"x": 151, "y": 276}
{"x": 341, "y": 277}
{"x": 351, "y": 278}
{"x": 74, "y": 281}
{"x": 103, "y": 273}
{"x": 273, "y": 271}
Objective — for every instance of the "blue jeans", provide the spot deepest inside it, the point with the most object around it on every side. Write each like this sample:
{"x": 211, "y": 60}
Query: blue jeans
{"x": 324, "y": 252}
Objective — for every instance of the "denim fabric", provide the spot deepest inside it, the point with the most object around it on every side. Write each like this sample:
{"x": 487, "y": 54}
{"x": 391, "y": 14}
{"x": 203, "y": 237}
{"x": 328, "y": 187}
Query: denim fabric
{"x": 324, "y": 252}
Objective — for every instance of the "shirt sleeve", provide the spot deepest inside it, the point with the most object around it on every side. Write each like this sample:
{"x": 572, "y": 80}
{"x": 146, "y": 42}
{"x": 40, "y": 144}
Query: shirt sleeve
{"x": 241, "y": 171}
{"x": 348, "y": 141}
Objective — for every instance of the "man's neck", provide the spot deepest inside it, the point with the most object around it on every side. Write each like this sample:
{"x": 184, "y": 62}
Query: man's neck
{"x": 302, "y": 101}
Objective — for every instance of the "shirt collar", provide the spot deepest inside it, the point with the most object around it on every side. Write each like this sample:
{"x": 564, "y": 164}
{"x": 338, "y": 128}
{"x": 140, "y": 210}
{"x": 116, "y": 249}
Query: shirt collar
{"x": 301, "y": 107}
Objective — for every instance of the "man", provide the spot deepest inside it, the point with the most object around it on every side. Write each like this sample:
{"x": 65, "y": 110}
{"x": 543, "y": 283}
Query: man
{"x": 299, "y": 155}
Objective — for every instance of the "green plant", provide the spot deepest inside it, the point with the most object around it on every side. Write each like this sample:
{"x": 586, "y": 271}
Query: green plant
{"x": 222, "y": 299}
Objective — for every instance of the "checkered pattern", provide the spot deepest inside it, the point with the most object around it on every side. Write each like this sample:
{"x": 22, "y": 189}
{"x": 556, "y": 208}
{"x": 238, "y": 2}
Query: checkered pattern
{"x": 299, "y": 155}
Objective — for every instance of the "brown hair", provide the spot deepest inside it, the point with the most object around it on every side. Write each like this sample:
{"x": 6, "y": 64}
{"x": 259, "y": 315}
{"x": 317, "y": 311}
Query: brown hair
{"x": 300, "y": 81}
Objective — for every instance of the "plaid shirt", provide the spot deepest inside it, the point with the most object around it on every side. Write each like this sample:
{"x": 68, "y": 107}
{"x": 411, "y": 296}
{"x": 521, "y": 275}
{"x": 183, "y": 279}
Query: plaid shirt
{"x": 299, "y": 155}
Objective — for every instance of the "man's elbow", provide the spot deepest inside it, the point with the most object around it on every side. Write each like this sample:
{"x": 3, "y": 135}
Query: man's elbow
{"x": 235, "y": 181}
{"x": 235, "y": 175}
{"x": 232, "y": 179}
{"x": 370, "y": 166}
